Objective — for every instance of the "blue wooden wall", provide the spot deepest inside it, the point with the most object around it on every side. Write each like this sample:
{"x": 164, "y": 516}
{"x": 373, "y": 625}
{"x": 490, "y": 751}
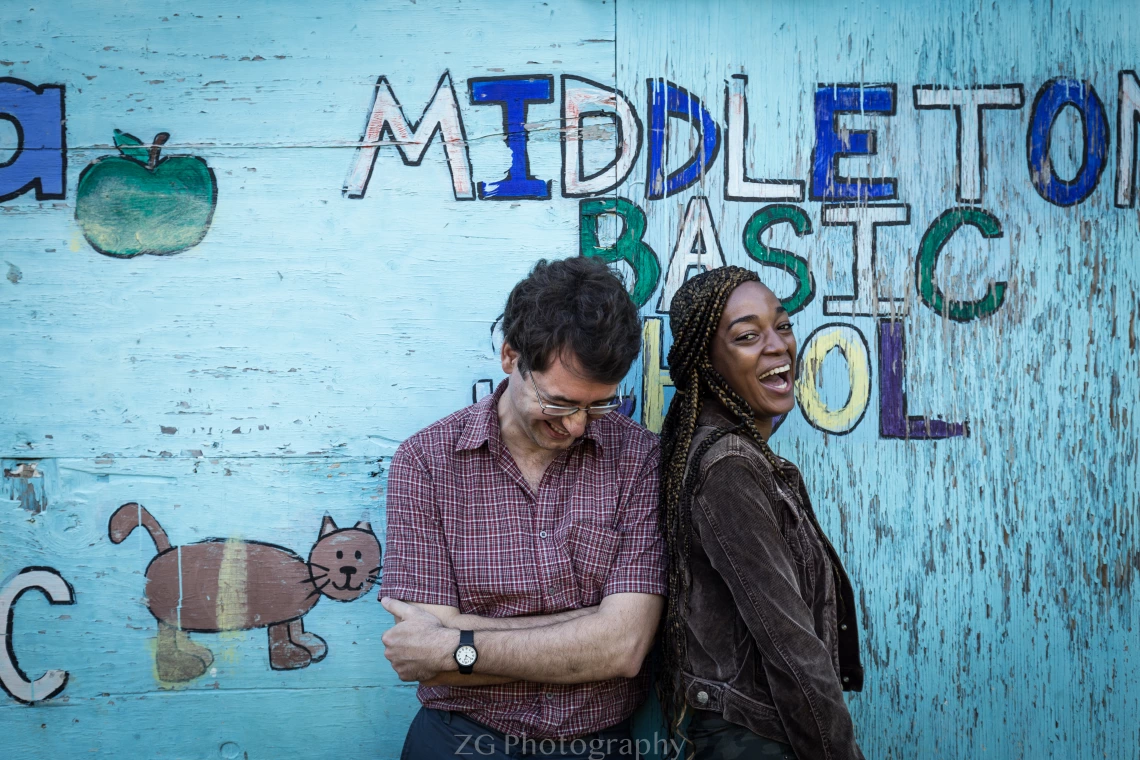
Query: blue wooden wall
{"x": 239, "y": 341}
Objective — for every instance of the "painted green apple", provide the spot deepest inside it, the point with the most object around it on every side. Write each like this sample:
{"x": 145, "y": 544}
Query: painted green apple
{"x": 137, "y": 203}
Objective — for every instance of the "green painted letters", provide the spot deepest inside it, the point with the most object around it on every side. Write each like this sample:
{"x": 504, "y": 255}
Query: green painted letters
{"x": 629, "y": 246}
{"x": 935, "y": 239}
{"x": 774, "y": 257}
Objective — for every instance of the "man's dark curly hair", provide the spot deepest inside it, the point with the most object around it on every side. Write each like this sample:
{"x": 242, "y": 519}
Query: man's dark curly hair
{"x": 574, "y": 305}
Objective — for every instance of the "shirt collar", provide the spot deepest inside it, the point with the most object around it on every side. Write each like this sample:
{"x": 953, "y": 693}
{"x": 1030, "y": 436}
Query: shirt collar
{"x": 483, "y": 425}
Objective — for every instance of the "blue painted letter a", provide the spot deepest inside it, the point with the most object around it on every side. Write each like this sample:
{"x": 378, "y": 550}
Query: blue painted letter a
{"x": 40, "y": 158}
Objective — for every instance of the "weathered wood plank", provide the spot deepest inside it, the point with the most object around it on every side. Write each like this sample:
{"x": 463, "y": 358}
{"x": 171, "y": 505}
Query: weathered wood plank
{"x": 313, "y": 723}
{"x": 244, "y": 387}
{"x": 106, "y": 640}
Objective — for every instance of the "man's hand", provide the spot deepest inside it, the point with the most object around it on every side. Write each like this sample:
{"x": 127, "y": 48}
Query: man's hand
{"x": 419, "y": 646}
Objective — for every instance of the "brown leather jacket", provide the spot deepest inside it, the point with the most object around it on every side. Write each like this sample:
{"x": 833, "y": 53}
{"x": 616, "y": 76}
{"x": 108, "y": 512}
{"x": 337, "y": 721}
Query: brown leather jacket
{"x": 772, "y": 634}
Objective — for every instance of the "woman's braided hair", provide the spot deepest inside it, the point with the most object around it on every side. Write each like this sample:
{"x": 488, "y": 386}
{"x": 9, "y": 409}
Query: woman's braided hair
{"x": 695, "y": 314}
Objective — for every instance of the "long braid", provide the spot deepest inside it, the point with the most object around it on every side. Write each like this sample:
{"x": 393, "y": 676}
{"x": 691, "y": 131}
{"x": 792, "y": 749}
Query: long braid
{"x": 695, "y": 314}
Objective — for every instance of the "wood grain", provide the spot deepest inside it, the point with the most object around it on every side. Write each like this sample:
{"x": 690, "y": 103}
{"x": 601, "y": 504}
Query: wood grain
{"x": 243, "y": 388}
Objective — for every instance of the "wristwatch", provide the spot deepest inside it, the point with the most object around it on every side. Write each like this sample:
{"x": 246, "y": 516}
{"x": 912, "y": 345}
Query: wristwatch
{"x": 465, "y": 653}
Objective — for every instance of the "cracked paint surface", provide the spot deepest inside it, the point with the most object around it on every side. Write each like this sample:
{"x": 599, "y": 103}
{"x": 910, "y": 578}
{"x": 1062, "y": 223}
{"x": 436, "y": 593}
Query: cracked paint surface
{"x": 967, "y": 275}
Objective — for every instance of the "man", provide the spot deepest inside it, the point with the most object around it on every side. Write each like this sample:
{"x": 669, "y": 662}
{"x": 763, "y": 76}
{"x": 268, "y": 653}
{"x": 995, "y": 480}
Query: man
{"x": 524, "y": 564}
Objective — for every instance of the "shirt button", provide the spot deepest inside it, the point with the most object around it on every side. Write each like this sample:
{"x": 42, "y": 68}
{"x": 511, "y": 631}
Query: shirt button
{"x": 551, "y": 591}
{"x": 843, "y": 626}
{"x": 846, "y": 679}
{"x": 542, "y": 534}
{"x": 549, "y": 695}
{"x": 703, "y": 697}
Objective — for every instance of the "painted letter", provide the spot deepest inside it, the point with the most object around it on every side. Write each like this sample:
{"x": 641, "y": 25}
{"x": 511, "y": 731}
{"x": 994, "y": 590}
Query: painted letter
{"x": 582, "y": 98}
{"x": 629, "y": 247}
{"x": 853, "y": 346}
{"x": 697, "y": 246}
{"x": 737, "y": 185}
{"x": 893, "y": 419}
{"x": 388, "y": 126}
{"x": 40, "y": 160}
{"x": 969, "y": 104}
{"x": 1053, "y": 96}
{"x": 935, "y": 239}
{"x": 12, "y": 678}
{"x": 796, "y": 266}
{"x": 655, "y": 377}
{"x": 1127, "y": 121}
{"x": 513, "y": 94}
{"x": 668, "y": 100}
{"x": 865, "y": 302}
{"x": 833, "y": 143}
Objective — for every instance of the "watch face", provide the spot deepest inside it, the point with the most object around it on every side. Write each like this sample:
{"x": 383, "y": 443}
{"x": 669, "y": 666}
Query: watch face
{"x": 465, "y": 655}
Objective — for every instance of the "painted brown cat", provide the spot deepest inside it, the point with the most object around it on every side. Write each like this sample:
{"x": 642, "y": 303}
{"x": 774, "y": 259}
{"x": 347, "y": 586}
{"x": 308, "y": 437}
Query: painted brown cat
{"x": 236, "y": 585}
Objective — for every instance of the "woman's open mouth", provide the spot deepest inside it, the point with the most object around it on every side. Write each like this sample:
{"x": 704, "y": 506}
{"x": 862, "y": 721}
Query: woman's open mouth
{"x": 778, "y": 379}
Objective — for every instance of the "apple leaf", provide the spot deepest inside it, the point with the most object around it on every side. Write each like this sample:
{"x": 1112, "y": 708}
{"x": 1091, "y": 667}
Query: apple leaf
{"x": 131, "y": 147}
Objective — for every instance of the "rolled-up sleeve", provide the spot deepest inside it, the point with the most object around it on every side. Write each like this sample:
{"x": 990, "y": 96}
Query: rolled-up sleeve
{"x": 739, "y": 531}
{"x": 417, "y": 566}
{"x": 639, "y": 566}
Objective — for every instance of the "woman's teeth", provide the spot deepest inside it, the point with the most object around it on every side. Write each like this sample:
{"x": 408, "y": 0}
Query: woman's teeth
{"x": 775, "y": 379}
{"x": 776, "y": 371}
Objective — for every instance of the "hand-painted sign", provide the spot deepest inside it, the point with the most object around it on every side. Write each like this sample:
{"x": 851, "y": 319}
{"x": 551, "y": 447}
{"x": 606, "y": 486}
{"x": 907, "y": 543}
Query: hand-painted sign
{"x": 864, "y": 204}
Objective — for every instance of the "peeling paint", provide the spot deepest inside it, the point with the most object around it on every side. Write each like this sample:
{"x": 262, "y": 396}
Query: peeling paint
{"x": 968, "y": 435}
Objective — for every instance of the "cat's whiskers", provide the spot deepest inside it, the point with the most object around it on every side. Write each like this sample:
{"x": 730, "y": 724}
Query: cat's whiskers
{"x": 318, "y": 589}
{"x": 313, "y": 578}
{"x": 319, "y": 567}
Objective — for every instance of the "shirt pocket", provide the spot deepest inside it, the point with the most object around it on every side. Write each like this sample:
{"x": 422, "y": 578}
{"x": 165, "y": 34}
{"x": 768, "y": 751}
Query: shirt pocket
{"x": 494, "y": 570}
{"x": 592, "y": 552}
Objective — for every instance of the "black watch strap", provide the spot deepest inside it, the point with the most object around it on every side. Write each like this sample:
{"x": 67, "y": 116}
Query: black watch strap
{"x": 466, "y": 639}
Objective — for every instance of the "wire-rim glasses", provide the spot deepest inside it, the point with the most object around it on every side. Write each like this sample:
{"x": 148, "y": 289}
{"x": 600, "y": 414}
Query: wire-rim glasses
{"x": 554, "y": 410}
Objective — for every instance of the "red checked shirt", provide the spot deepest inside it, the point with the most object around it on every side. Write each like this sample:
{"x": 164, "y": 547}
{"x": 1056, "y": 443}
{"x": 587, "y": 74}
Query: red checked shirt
{"x": 466, "y": 530}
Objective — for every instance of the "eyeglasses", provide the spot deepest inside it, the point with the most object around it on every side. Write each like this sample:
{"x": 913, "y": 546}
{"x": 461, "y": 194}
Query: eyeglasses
{"x": 553, "y": 410}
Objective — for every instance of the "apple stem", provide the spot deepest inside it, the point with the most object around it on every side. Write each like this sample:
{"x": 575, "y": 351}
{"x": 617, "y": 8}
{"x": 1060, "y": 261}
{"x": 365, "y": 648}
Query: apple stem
{"x": 156, "y": 148}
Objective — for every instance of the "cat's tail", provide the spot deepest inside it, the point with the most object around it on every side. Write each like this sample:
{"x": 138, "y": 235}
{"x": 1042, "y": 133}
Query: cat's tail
{"x": 132, "y": 515}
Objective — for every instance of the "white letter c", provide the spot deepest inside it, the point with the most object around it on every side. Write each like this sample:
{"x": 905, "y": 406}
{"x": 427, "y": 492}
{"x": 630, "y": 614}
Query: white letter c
{"x": 14, "y": 680}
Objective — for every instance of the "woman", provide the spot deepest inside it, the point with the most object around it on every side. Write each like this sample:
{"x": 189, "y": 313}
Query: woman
{"x": 760, "y": 631}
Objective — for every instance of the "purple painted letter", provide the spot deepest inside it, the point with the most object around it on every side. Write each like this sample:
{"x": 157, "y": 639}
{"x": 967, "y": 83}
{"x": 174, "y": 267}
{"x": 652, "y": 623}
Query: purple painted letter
{"x": 893, "y": 419}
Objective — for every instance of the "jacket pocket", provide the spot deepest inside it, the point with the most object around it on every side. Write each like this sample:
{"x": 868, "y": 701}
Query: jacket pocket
{"x": 592, "y": 551}
{"x": 702, "y": 693}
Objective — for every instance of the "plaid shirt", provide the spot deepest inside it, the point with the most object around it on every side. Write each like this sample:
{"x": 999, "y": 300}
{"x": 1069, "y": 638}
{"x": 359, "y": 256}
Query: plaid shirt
{"x": 466, "y": 530}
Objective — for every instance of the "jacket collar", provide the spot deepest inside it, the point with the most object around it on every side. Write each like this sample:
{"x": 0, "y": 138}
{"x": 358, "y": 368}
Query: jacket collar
{"x": 716, "y": 414}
